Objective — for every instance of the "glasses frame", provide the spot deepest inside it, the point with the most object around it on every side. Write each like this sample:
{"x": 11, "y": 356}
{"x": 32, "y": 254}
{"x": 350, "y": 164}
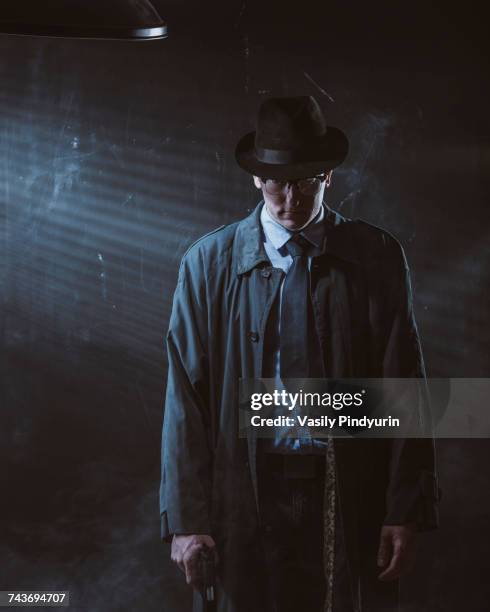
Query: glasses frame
{"x": 290, "y": 182}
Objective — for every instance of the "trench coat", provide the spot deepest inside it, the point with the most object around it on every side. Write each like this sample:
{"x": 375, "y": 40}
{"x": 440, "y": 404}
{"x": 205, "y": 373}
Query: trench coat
{"x": 361, "y": 293}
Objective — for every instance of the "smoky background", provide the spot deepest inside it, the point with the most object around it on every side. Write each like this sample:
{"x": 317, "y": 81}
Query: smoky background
{"x": 114, "y": 157}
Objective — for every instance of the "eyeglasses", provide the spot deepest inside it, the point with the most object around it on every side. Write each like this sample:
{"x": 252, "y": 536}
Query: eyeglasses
{"x": 307, "y": 186}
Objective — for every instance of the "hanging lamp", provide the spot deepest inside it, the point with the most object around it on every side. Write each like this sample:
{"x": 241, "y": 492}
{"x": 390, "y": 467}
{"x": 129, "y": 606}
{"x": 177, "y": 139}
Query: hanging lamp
{"x": 114, "y": 19}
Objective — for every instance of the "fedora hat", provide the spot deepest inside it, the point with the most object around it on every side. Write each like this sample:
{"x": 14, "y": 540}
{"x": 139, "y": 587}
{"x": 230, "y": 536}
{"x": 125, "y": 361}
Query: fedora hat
{"x": 291, "y": 141}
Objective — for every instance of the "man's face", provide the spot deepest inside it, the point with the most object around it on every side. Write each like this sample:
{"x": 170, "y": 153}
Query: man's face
{"x": 292, "y": 206}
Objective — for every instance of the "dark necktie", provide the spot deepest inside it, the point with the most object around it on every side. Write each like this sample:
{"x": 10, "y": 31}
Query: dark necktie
{"x": 295, "y": 310}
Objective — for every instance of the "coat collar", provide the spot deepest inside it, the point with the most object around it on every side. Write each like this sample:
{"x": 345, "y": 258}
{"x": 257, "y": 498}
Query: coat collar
{"x": 249, "y": 249}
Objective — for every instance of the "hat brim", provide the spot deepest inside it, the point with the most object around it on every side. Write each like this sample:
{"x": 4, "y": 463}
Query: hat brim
{"x": 328, "y": 154}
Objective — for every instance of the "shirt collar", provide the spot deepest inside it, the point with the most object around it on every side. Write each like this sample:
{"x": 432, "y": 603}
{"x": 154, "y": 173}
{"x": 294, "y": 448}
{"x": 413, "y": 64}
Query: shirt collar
{"x": 278, "y": 235}
{"x": 249, "y": 251}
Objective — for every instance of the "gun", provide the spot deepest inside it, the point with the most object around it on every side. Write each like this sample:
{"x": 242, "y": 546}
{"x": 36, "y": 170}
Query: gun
{"x": 208, "y": 579}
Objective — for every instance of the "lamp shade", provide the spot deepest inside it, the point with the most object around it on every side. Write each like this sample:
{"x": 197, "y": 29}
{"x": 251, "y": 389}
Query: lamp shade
{"x": 122, "y": 19}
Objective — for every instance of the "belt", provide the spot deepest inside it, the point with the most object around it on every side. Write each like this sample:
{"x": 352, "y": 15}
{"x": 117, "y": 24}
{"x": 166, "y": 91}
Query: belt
{"x": 295, "y": 465}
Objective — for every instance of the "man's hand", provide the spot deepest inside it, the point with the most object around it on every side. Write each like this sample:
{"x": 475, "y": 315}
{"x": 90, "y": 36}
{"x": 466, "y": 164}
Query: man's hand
{"x": 185, "y": 553}
{"x": 396, "y": 550}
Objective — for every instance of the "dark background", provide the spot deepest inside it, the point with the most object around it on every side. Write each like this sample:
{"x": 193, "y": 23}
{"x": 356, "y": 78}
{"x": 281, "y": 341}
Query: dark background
{"x": 114, "y": 157}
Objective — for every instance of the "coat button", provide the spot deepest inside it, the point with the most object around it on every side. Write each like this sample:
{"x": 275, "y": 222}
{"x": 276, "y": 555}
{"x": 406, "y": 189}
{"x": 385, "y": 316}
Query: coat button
{"x": 265, "y": 272}
{"x": 254, "y": 336}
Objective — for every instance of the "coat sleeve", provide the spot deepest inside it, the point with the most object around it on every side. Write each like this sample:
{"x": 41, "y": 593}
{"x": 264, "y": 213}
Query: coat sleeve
{"x": 186, "y": 459}
{"x": 413, "y": 493}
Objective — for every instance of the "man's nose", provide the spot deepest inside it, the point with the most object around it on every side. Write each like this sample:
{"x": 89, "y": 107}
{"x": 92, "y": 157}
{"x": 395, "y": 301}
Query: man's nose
{"x": 293, "y": 193}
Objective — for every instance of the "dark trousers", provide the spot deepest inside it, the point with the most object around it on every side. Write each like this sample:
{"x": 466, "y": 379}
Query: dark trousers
{"x": 291, "y": 494}
{"x": 291, "y": 490}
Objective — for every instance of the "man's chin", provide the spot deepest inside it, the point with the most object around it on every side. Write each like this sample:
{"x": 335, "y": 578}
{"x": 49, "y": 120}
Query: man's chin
{"x": 294, "y": 222}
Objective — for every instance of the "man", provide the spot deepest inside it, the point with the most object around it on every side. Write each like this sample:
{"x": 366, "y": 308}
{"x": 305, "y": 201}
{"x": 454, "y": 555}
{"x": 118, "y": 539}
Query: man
{"x": 293, "y": 290}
